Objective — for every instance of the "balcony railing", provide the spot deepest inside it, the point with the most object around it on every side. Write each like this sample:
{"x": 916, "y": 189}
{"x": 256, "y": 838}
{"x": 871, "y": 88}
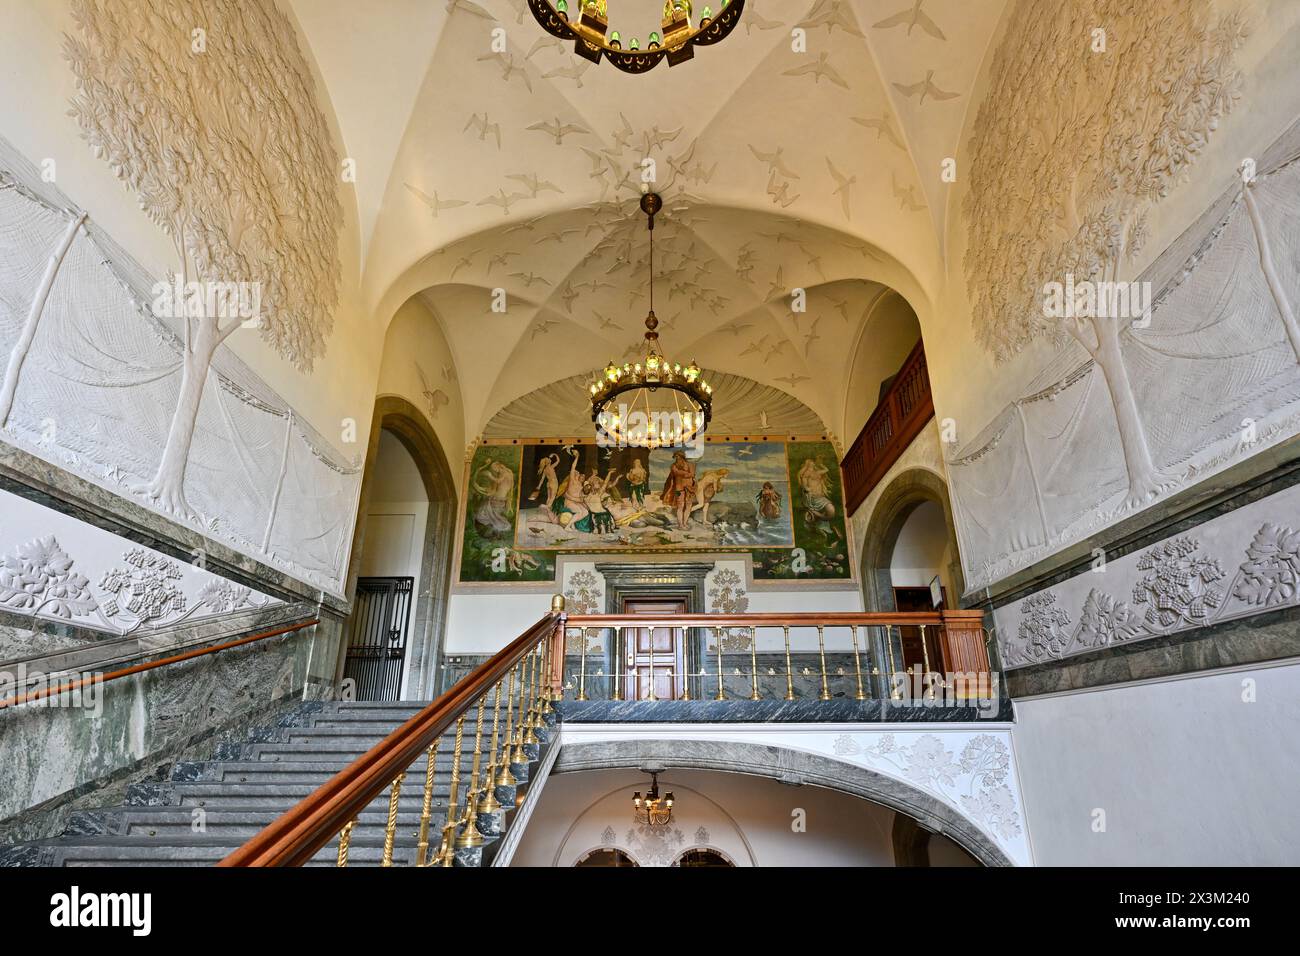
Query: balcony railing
{"x": 894, "y": 425}
{"x": 802, "y": 656}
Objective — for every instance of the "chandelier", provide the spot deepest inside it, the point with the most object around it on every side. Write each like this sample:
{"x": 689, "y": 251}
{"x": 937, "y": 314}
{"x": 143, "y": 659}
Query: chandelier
{"x": 651, "y": 403}
{"x": 586, "y": 22}
{"x": 652, "y": 809}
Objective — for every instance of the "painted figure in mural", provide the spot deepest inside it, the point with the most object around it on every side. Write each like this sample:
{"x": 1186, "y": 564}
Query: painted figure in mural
{"x": 596, "y": 496}
{"x": 495, "y": 482}
{"x": 548, "y": 479}
{"x": 768, "y": 501}
{"x": 705, "y": 490}
{"x": 819, "y": 510}
{"x": 638, "y": 480}
{"x": 679, "y": 488}
{"x": 571, "y": 507}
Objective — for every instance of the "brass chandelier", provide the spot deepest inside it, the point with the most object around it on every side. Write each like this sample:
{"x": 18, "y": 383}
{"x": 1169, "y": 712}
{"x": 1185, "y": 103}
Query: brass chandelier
{"x": 586, "y": 22}
{"x": 651, "y": 403}
{"x": 652, "y": 809}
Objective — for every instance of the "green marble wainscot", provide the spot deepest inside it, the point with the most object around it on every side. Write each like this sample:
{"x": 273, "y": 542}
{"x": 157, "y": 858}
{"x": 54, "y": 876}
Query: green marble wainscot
{"x": 75, "y": 753}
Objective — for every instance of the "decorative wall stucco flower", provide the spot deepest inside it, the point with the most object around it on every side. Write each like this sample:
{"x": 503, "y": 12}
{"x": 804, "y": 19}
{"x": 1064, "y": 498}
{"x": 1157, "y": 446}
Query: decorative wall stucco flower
{"x": 39, "y": 578}
{"x": 1179, "y": 587}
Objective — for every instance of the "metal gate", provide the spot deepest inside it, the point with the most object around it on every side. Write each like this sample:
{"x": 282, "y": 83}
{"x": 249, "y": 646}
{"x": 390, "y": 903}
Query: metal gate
{"x": 377, "y": 645}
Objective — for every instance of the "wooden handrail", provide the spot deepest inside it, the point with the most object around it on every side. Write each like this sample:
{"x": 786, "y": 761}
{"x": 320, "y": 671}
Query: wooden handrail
{"x": 153, "y": 665}
{"x": 294, "y": 838}
{"x": 903, "y": 411}
{"x": 796, "y": 619}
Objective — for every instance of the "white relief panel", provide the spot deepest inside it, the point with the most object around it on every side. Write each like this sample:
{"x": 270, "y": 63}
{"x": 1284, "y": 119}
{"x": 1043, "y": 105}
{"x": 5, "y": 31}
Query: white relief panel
{"x": 56, "y": 568}
{"x": 1237, "y": 565}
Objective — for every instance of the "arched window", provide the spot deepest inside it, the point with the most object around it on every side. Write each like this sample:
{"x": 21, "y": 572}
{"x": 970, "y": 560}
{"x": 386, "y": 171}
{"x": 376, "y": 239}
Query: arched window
{"x": 606, "y": 856}
{"x": 702, "y": 857}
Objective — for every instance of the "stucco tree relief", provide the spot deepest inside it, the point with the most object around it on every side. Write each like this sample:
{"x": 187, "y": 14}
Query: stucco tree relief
{"x": 206, "y": 110}
{"x": 1095, "y": 110}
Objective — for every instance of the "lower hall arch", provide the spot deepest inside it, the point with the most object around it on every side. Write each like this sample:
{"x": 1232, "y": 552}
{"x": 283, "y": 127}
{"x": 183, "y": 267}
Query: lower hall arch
{"x": 788, "y": 766}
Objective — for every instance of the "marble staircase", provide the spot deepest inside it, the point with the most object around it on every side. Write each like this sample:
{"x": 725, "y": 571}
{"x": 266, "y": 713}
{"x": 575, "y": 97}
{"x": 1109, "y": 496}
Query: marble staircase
{"x": 207, "y": 808}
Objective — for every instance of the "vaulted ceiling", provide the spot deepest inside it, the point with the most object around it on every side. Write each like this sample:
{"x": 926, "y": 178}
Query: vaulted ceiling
{"x": 490, "y": 157}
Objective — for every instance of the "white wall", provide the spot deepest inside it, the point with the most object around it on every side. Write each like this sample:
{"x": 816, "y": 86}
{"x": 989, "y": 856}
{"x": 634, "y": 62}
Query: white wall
{"x": 919, "y": 552}
{"x": 749, "y": 819}
{"x": 481, "y": 621}
{"x": 1188, "y": 772}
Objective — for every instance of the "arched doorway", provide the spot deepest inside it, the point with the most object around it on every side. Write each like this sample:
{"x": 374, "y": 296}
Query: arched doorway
{"x": 703, "y": 856}
{"x": 910, "y": 559}
{"x": 406, "y": 523}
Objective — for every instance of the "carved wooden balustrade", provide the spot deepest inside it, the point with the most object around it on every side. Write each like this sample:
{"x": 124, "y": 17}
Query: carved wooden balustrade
{"x": 897, "y": 420}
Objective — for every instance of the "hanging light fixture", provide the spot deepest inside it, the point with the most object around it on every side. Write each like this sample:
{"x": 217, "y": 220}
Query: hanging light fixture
{"x": 652, "y": 809}
{"x": 586, "y": 22}
{"x": 651, "y": 403}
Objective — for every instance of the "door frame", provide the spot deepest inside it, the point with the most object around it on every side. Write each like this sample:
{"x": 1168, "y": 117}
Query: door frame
{"x": 689, "y": 666}
{"x": 678, "y": 579}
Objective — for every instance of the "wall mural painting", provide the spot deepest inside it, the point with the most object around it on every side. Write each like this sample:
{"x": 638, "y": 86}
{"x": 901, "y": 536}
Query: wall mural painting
{"x": 488, "y": 551}
{"x": 783, "y": 503}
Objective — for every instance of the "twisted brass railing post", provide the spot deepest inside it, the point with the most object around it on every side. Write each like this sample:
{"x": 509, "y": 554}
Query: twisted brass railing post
{"x": 616, "y": 657}
{"x": 447, "y": 851}
{"x": 582, "y": 666}
{"x": 821, "y": 648}
{"x": 345, "y": 841}
{"x": 488, "y": 803}
{"x": 504, "y": 777}
{"x": 518, "y": 756}
{"x": 717, "y": 637}
{"x": 390, "y": 828}
{"x": 534, "y": 718}
{"x": 426, "y": 803}
{"x": 789, "y": 676}
{"x": 469, "y": 835}
{"x": 857, "y": 665}
{"x": 753, "y": 665}
{"x": 544, "y": 707}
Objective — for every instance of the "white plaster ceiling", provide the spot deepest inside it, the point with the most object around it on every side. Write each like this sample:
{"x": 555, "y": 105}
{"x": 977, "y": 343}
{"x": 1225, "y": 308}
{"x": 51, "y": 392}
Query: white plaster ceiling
{"x": 780, "y": 169}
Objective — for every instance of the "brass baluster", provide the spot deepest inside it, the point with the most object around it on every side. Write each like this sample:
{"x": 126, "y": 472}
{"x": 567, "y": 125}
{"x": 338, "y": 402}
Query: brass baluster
{"x": 533, "y": 717}
{"x": 651, "y": 633}
{"x": 345, "y": 841}
{"x": 469, "y": 835}
{"x": 894, "y": 692}
{"x": 717, "y": 637}
{"x": 504, "y": 777}
{"x": 582, "y": 666}
{"x": 488, "y": 803}
{"x": 753, "y": 665}
{"x": 925, "y": 657}
{"x": 821, "y": 645}
{"x": 447, "y": 852}
{"x": 547, "y": 666}
{"x": 617, "y": 658}
{"x": 390, "y": 828}
{"x": 686, "y": 672}
{"x": 422, "y": 849}
{"x": 789, "y": 677}
{"x": 518, "y": 756}
{"x": 857, "y": 664}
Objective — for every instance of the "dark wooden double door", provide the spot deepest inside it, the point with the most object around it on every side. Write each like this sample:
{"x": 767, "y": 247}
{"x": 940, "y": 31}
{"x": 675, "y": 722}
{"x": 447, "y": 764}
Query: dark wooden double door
{"x": 654, "y": 653}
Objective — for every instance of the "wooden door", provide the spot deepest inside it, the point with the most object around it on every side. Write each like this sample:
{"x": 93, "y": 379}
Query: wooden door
{"x": 918, "y": 599}
{"x": 657, "y": 650}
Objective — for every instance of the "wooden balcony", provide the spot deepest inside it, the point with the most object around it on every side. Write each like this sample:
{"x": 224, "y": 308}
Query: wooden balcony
{"x": 895, "y": 423}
